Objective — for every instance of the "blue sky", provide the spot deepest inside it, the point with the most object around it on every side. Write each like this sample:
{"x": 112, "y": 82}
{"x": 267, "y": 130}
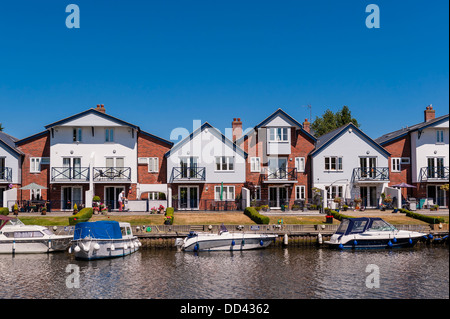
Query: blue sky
{"x": 162, "y": 64}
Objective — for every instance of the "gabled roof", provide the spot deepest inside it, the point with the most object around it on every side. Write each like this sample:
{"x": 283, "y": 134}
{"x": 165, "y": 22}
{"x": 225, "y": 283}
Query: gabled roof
{"x": 214, "y": 131}
{"x": 328, "y": 138}
{"x": 156, "y": 137}
{"x": 91, "y": 111}
{"x": 26, "y": 139}
{"x": 392, "y": 136}
{"x": 278, "y": 112}
{"x": 9, "y": 142}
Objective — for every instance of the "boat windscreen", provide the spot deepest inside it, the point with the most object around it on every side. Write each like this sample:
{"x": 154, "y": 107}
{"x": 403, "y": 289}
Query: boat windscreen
{"x": 343, "y": 227}
{"x": 222, "y": 229}
{"x": 357, "y": 226}
{"x": 381, "y": 225}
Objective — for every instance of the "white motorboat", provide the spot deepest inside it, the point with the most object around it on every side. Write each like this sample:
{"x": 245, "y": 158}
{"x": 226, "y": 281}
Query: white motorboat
{"x": 371, "y": 232}
{"x": 224, "y": 240}
{"x": 103, "y": 239}
{"x": 18, "y": 238}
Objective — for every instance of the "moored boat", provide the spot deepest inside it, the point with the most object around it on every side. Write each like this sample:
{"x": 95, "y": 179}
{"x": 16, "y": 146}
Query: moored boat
{"x": 103, "y": 239}
{"x": 371, "y": 232}
{"x": 18, "y": 238}
{"x": 224, "y": 240}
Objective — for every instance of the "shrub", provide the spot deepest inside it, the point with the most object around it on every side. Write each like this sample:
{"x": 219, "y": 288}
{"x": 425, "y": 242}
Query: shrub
{"x": 255, "y": 216}
{"x": 168, "y": 216}
{"x": 336, "y": 215}
{"x": 4, "y": 211}
{"x": 82, "y": 216}
{"x": 425, "y": 218}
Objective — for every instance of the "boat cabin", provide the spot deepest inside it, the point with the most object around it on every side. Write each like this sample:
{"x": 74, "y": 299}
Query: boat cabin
{"x": 360, "y": 225}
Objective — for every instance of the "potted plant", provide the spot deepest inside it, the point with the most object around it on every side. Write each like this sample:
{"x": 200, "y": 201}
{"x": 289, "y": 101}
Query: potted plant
{"x": 16, "y": 209}
{"x": 153, "y": 210}
{"x": 345, "y": 207}
{"x": 357, "y": 201}
{"x": 161, "y": 209}
{"x": 75, "y": 209}
{"x": 103, "y": 209}
{"x": 44, "y": 210}
{"x": 167, "y": 220}
{"x": 434, "y": 208}
{"x": 265, "y": 208}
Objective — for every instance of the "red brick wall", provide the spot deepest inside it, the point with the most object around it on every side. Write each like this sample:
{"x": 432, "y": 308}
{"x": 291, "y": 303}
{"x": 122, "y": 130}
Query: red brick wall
{"x": 35, "y": 147}
{"x": 152, "y": 147}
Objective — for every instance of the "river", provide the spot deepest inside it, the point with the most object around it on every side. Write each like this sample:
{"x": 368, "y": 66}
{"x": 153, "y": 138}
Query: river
{"x": 272, "y": 273}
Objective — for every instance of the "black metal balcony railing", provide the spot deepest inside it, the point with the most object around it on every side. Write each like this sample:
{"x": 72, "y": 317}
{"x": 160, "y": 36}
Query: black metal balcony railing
{"x": 5, "y": 174}
{"x": 112, "y": 174}
{"x": 371, "y": 174}
{"x": 188, "y": 173}
{"x": 279, "y": 174}
{"x": 434, "y": 173}
{"x": 68, "y": 174}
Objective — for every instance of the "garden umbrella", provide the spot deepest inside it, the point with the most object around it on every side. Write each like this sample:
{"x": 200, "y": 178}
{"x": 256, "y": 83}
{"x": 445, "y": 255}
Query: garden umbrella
{"x": 404, "y": 185}
{"x": 33, "y": 186}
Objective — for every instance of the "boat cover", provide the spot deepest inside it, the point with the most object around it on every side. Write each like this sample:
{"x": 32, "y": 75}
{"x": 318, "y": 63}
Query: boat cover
{"x": 105, "y": 229}
{"x": 361, "y": 224}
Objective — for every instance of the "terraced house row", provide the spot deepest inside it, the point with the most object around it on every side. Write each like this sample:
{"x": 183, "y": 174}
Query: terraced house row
{"x": 278, "y": 162}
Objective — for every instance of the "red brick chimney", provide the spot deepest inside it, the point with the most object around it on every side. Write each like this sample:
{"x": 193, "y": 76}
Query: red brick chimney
{"x": 429, "y": 113}
{"x": 307, "y": 126}
{"x": 100, "y": 108}
{"x": 236, "y": 127}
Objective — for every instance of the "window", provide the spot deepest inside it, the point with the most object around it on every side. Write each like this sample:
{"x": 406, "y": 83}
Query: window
{"x": 109, "y": 135}
{"x": 153, "y": 164}
{"x": 439, "y": 136}
{"x": 300, "y": 192}
{"x": 278, "y": 134}
{"x": 227, "y": 193}
{"x": 396, "y": 164}
{"x": 256, "y": 195}
{"x": 300, "y": 164}
{"x": 77, "y": 134}
{"x": 255, "y": 164}
{"x": 405, "y": 161}
{"x": 224, "y": 163}
{"x": 335, "y": 191}
{"x": 333, "y": 163}
{"x": 35, "y": 194}
{"x": 35, "y": 165}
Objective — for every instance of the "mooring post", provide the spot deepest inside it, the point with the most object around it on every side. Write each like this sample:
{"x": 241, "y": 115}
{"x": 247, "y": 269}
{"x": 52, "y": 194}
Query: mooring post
{"x": 285, "y": 240}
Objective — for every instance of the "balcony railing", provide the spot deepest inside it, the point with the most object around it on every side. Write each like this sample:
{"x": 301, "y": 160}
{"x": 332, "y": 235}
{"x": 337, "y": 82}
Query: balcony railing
{"x": 280, "y": 174}
{"x": 371, "y": 174}
{"x": 188, "y": 173}
{"x": 5, "y": 174}
{"x": 112, "y": 174}
{"x": 434, "y": 173}
{"x": 70, "y": 174}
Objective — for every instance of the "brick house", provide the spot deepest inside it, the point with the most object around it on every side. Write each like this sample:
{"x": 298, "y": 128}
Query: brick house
{"x": 278, "y": 166}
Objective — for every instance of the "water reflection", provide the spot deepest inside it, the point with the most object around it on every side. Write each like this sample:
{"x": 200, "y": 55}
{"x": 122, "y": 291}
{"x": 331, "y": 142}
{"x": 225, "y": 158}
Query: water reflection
{"x": 273, "y": 273}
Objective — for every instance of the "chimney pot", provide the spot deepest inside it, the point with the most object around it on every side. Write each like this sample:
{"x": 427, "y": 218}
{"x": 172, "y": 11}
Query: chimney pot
{"x": 429, "y": 113}
{"x": 236, "y": 129}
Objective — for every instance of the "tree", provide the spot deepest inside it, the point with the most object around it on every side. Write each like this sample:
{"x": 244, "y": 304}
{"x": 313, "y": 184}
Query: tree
{"x": 1, "y": 127}
{"x": 330, "y": 121}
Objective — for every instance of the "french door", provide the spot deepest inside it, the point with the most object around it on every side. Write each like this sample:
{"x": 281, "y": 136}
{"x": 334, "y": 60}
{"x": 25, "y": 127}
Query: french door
{"x": 277, "y": 197}
{"x": 277, "y": 168}
{"x": 188, "y": 167}
{"x": 437, "y": 195}
{"x": 188, "y": 197}
{"x": 369, "y": 196}
{"x": 368, "y": 166}
{"x": 112, "y": 196}
{"x": 72, "y": 167}
{"x": 71, "y": 196}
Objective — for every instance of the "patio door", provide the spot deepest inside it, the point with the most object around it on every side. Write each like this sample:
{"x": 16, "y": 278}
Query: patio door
{"x": 71, "y": 196}
{"x": 277, "y": 197}
{"x": 369, "y": 196}
{"x": 437, "y": 195}
{"x": 188, "y": 196}
{"x": 112, "y": 196}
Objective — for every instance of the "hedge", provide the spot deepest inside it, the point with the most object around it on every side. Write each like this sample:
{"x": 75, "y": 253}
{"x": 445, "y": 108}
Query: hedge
{"x": 337, "y": 215}
{"x": 169, "y": 213}
{"x": 4, "y": 211}
{"x": 425, "y": 218}
{"x": 82, "y": 216}
{"x": 255, "y": 216}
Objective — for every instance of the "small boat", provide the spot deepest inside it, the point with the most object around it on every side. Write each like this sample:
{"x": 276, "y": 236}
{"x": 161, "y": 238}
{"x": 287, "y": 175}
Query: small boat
{"x": 103, "y": 239}
{"x": 18, "y": 238}
{"x": 224, "y": 240}
{"x": 371, "y": 232}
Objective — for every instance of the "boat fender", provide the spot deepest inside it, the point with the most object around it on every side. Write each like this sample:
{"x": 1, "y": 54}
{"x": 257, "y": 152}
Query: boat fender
{"x": 96, "y": 246}
{"x": 430, "y": 236}
{"x": 341, "y": 246}
{"x": 410, "y": 241}
{"x": 196, "y": 247}
{"x": 233, "y": 243}
{"x": 394, "y": 240}
{"x": 77, "y": 249}
{"x": 261, "y": 242}
{"x": 112, "y": 247}
{"x": 125, "y": 246}
{"x": 390, "y": 244}
{"x": 86, "y": 248}
{"x": 355, "y": 242}
{"x": 70, "y": 249}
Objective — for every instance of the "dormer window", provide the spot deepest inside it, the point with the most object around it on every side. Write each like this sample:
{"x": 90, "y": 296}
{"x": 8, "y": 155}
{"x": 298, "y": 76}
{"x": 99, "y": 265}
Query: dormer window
{"x": 77, "y": 134}
{"x": 278, "y": 134}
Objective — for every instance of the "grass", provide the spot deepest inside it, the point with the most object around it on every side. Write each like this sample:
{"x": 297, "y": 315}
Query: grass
{"x": 231, "y": 218}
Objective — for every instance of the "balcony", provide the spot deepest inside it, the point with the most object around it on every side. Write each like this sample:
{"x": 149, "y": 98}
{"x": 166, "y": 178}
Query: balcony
{"x": 371, "y": 174}
{"x": 5, "y": 174}
{"x": 188, "y": 174}
{"x": 112, "y": 174}
{"x": 70, "y": 174}
{"x": 280, "y": 175}
{"x": 434, "y": 174}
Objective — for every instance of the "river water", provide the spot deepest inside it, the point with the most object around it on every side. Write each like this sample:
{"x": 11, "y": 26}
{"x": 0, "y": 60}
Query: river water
{"x": 272, "y": 273}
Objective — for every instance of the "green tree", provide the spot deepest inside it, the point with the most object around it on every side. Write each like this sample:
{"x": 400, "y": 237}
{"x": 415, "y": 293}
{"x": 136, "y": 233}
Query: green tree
{"x": 330, "y": 121}
{"x": 1, "y": 127}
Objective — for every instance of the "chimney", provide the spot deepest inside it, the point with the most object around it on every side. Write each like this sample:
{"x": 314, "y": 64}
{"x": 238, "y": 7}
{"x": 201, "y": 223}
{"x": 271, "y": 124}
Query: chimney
{"x": 307, "y": 126}
{"x": 100, "y": 108}
{"x": 429, "y": 113}
{"x": 236, "y": 127}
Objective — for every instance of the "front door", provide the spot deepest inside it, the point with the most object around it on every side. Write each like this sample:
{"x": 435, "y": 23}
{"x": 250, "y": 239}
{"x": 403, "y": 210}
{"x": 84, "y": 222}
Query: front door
{"x": 188, "y": 197}
{"x": 277, "y": 197}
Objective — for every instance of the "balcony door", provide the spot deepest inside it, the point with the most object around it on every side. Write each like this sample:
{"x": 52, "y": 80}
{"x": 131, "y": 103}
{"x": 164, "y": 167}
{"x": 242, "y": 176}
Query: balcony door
{"x": 72, "y": 168}
{"x": 188, "y": 167}
{"x": 435, "y": 168}
{"x": 368, "y": 166}
{"x": 277, "y": 168}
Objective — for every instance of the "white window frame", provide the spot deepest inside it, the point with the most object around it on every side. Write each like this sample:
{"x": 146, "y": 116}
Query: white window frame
{"x": 300, "y": 164}
{"x": 224, "y": 167}
{"x": 255, "y": 164}
{"x": 396, "y": 164}
{"x": 77, "y": 134}
{"x": 278, "y": 134}
{"x": 35, "y": 193}
{"x": 300, "y": 192}
{"x": 439, "y": 136}
{"x": 109, "y": 135}
{"x": 35, "y": 164}
{"x": 153, "y": 165}
{"x": 256, "y": 195}
{"x": 338, "y": 163}
{"x": 226, "y": 193}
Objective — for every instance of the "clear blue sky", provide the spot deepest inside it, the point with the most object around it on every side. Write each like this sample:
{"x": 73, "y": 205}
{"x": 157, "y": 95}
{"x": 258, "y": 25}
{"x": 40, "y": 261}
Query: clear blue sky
{"x": 161, "y": 64}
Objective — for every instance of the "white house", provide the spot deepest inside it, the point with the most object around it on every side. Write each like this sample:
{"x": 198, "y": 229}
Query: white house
{"x": 348, "y": 164}
{"x": 205, "y": 171}
{"x": 10, "y": 166}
